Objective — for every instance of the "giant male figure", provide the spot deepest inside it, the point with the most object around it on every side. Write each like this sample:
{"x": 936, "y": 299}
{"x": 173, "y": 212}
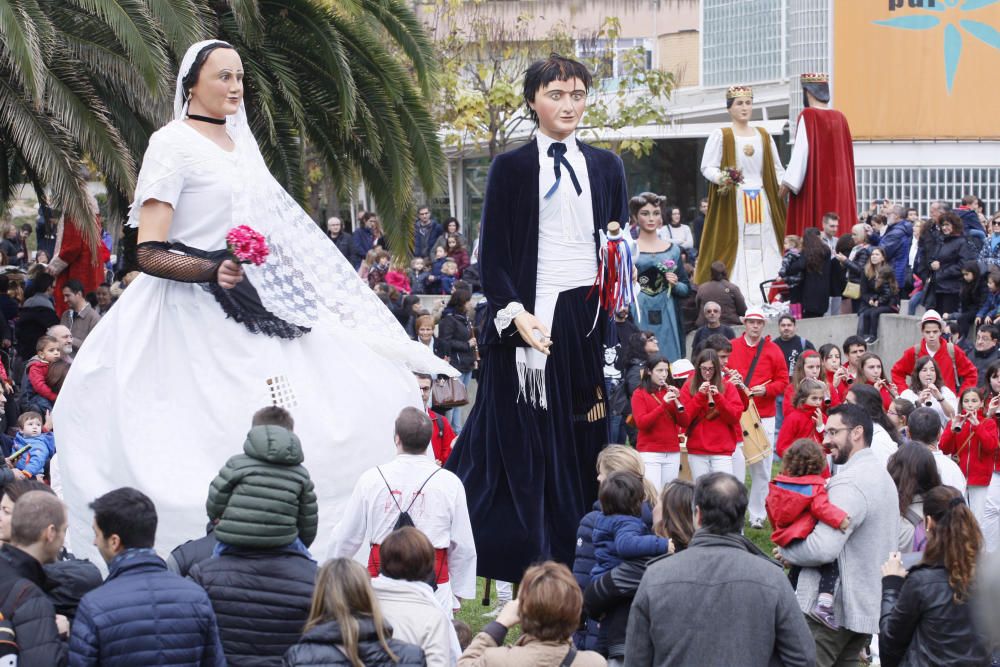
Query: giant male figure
{"x": 528, "y": 451}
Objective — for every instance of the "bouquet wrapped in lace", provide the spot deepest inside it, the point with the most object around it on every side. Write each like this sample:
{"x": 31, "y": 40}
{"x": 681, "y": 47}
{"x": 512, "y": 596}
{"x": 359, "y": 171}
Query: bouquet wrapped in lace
{"x": 731, "y": 178}
{"x": 247, "y": 245}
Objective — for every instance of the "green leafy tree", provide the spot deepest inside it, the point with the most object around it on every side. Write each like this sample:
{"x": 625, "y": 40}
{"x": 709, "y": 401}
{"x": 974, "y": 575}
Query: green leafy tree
{"x": 484, "y": 57}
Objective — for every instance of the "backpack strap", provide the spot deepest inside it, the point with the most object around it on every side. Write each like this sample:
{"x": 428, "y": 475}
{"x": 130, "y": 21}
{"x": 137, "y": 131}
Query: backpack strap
{"x": 912, "y": 516}
{"x": 417, "y": 494}
{"x": 954, "y": 365}
{"x": 570, "y": 657}
{"x": 437, "y": 421}
{"x": 391, "y": 494}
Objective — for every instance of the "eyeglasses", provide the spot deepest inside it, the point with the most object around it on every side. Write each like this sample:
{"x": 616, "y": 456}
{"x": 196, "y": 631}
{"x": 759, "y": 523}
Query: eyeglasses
{"x": 707, "y": 369}
{"x": 834, "y": 431}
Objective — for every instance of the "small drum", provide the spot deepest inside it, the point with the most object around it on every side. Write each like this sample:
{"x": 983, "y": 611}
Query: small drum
{"x": 756, "y": 445}
{"x": 685, "y": 472}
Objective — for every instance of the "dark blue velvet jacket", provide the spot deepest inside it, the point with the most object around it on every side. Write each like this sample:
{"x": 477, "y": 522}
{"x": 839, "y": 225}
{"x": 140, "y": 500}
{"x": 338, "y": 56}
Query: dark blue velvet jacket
{"x": 508, "y": 247}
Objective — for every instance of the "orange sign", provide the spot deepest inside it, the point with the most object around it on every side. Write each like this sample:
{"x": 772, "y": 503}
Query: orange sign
{"x": 917, "y": 69}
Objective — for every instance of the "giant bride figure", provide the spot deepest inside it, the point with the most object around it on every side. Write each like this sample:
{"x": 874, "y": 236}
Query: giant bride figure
{"x": 162, "y": 393}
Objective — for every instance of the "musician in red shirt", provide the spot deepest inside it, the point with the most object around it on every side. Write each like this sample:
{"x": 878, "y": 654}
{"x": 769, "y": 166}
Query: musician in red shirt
{"x": 949, "y": 357}
{"x": 765, "y": 372}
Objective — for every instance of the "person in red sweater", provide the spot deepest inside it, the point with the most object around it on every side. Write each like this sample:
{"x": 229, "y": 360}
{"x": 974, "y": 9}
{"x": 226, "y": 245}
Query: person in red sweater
{"x": 766, "y": 383}
{"x": 796, "y": 502}
{"x": 838, "y": 378}
{"x": 873, "y": 373}
{"x": 957, "y": 371}
{"x": 805, "y": 418}
{"x": 442, "y": 435}
{"x": 659, "y": 415}
{"x": 39, "y": 396}
{"x": 975, "y": 445}
{"x": 809, "y": 365}
{"x": 714, "y": 407}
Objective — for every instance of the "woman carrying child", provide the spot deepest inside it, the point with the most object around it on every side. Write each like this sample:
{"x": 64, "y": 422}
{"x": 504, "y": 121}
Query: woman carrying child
{"x": 796, "y": 502}
{"x": 659, "y": 415}
{"x": 714, "y": 407}
{"x": 973, "y": 440}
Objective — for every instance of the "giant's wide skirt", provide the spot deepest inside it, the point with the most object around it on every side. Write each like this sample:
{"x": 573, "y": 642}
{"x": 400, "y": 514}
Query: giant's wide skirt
{"x": 530, "y": 474}
{"x": 162, "y": 394}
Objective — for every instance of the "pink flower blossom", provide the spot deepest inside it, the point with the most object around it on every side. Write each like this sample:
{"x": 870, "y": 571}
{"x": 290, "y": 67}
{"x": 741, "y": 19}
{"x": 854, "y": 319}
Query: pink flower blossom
{"x": 247, "y": 245}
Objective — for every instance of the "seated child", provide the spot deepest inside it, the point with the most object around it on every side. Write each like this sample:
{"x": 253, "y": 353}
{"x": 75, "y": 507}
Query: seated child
{"x": 792, "y": 276}
{"x": 397, "y": 277}
{"x": 796, "y": 500}
{"x": 38, "y": 395}
{"x": 41, "y": 443}
{"x": 434, "y": 279}
{"x": 619, "y": 532}
{"x": 264, "y": 498}
{"x": 449, "y": 274}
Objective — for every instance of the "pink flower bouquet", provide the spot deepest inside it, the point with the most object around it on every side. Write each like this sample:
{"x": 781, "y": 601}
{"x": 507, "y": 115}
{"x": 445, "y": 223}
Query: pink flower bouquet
{"x": 247, "y": 246}
{"x": 732, "y": 177}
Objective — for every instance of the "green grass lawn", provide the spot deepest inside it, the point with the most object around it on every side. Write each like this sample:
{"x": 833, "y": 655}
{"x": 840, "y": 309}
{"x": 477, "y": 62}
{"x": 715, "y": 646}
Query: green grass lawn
{"x": 472, "y": 610}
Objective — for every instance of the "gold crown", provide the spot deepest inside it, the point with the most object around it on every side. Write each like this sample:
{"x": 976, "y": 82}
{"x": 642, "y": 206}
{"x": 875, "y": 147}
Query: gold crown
{"x": 815, "y": 77}
{"x": 739, "y": 91}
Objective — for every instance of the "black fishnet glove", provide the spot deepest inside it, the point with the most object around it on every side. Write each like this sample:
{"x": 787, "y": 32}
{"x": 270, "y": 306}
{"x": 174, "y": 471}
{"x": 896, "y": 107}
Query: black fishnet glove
{"x": 158, "y": 259}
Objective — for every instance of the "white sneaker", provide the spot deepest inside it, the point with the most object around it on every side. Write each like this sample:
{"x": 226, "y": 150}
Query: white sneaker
{"x": 757, "y": 524}
{"x": 493, "y": 613}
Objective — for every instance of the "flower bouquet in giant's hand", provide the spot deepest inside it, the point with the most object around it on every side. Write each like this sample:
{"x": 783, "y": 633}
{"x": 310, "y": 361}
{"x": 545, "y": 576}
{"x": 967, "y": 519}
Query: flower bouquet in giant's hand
{"x": 247, "y": 246}
{"x": 731, "y": 178}
{"x": 670, "y": 266}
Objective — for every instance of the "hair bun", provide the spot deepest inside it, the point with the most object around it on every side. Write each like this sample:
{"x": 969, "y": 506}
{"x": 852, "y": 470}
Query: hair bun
{"x": 956, "y": 501}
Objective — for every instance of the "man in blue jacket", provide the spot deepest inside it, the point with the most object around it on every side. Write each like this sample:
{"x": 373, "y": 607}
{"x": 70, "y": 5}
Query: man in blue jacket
{"x": 143, "y": 614}
{"x": 895, "y": 242}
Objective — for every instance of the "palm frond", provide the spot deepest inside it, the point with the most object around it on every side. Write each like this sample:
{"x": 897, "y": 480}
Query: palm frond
{"x": 21, "y": 47}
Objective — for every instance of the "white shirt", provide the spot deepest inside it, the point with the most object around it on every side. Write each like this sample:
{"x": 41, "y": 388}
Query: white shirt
{"x": 883, "y": 446}
{"x": 413, "y": 612}
{"x": 951, "y": 474}
{"x": 752, "y": 166}
{"x": 795, "y": 173}
{"x": 947, "y": 395}
{"x": 440, "y": 512}
{"x": 681, "y": 235}
{"x": 566, "y": 257}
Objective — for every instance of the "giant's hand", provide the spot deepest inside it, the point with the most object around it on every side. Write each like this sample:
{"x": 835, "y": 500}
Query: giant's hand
{"x": 533, "y": 332}
{"x": 783, "y": 191}
{"x": 230, "y": 273}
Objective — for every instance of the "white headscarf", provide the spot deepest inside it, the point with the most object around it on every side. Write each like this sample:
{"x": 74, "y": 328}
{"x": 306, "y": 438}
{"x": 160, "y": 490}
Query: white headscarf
{"x": 306, "y": 281}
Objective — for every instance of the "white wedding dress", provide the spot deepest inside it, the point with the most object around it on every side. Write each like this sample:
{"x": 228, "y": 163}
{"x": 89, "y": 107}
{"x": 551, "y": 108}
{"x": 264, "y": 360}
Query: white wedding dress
{"x": 162, "y": 392}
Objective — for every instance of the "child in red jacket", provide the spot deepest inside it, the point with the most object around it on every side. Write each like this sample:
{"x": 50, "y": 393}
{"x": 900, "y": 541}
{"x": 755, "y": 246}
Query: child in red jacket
{"x": 804, "y": 419}
{"x": 796, "y": 501}
{"x": 975, "y": 445}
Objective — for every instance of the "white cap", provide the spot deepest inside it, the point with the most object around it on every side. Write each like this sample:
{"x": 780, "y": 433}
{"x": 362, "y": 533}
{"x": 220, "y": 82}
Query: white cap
{"x": 682, "y": 368}
{"x": 754, "y": 313}
{"x": 931, "y": 316}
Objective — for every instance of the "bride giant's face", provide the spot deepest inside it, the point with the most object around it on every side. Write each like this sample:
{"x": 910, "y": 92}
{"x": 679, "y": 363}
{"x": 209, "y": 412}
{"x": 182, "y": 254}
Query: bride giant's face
{"x": 219, "y": 89}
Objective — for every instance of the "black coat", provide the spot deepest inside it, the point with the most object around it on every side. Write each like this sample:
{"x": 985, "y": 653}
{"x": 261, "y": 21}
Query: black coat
{"x": 70, "y": 579}
{"x": 921, "y": 623}
{"x": 344, "y": 243}
{"x": 261, "y": 600}
{"x": 814, "y": 290}
{"x": 30, "y": 610}
{"x": 952, "y": 252}
{"x": 454, "y": 332}
{"x": 317, "y": 648}
{"x": 32, "y": 323}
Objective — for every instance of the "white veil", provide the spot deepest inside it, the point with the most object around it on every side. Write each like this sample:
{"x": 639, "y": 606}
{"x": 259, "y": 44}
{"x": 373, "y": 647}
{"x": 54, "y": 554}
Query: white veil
{"x": 306, "y": 281}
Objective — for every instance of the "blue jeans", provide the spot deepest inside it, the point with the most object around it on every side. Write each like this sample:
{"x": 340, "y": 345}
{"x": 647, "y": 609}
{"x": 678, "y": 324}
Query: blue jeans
{"x": 455, "y": 414}
{"x": 915, "y": 300}
{"x": 779, "y": 416}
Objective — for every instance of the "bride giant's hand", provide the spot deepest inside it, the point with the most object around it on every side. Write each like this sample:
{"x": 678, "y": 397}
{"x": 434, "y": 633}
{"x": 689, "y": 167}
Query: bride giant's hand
{"x": 528, "y": 326}
{"x": 230, "y": 274}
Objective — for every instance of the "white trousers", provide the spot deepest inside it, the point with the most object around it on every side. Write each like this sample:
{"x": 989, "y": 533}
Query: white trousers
{"x": 760, "y": 475}
{"x": 702, "y": 464}
{"x": 976, "y": 497}
{"x": 739, "y": 463}
{"x": 661, "y": 468}
{"x": 990, "y": 523}
{"x": 505, "y": 591}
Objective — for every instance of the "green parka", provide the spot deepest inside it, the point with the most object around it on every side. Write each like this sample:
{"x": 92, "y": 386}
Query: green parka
{"x": 264, "y": 498}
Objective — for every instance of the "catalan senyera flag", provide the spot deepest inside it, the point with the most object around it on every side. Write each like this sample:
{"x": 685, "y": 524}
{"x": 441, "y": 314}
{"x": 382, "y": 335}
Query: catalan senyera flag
{"x": 753, "y": 200}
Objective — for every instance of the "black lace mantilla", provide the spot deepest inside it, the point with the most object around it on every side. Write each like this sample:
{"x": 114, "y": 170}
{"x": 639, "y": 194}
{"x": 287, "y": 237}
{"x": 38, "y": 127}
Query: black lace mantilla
{"x": 176, "y": 261}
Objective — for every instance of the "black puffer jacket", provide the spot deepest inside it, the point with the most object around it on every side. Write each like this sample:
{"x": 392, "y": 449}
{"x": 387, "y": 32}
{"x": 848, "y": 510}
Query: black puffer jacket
{"x": 952, "y": 252}
{"x": 455, "y": 332}
{"x": 29, "y": 609}
{"x": 922, "y": 625}
{"x": 261, "y": 601}
{"x": 317, "y": 648}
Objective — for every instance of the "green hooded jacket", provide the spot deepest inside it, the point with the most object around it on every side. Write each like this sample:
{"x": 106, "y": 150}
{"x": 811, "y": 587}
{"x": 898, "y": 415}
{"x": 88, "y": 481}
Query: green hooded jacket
{"x": 264, "y": 498}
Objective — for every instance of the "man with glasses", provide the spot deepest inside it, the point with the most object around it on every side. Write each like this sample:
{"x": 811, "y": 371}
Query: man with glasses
{"x": 442, "y": 434}
{"x": 713, "y": 325}
{"x": 863, "y": 488}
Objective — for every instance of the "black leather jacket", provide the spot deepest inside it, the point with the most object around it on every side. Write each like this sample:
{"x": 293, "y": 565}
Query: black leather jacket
{"x": 922, "y": 624}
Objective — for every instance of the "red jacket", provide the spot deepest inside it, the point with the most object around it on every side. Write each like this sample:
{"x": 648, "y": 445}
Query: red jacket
{"x": 713, "y": 431}
{"x": 883, "y": 392}
{"x": 442, "y": 436}
{"x": 794, "y": 512}
{"x": 976, "y": 449}
{"x": 36, "y": 375}
{"x": 658, "y": 422}
{"x": 835, "y": 394}
{"x": 903, "y": 368}
{"x": 838, "y": 393}
{"x": 771, "y": 366}
{"x": 798, "y": 423}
